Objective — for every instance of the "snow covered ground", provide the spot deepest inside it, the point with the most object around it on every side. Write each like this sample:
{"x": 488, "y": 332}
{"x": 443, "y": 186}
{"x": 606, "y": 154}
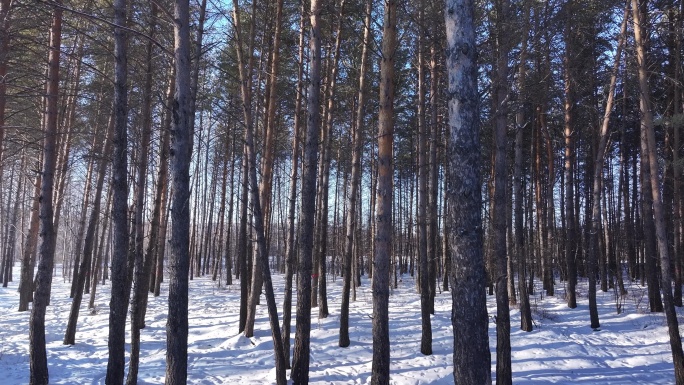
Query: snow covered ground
{"x": 630, "y": 348}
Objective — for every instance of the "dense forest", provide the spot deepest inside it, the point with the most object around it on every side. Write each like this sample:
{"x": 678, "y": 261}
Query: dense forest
{"x": 475, "y": 145}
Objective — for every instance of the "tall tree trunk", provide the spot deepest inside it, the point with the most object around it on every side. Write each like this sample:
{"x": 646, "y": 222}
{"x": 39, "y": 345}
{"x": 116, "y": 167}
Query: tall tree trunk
{"x": 503, "y": 316}
{"x": 119, "y": 297}
{"x": 598, "y": 176}
{"x": 262, "y": 254}
{"x": 521, "y": 124}
{"x": 380, "y": 370}
{"x": 647, "y": 132}
{"x": 143, "y": 263}
{"x": 300, "y": 361}
{"x": 423, "y": 171}
{"x": 37, "y": 351}
{"x": 88, "y": 246}
{"x": 464, "y": 200}
{"x": 162, "y": 192}
{"x": 290, "y": 248}
{"x": 570, "y": 225}
{"x": 181, "y": 153}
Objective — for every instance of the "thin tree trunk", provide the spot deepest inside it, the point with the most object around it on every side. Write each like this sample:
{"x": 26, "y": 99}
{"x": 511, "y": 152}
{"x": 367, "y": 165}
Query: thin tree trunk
{"x": 143, "y": 263}
{"x": 27, "y": 260}
{"x": 290, "y": 248}
{"x": 598, "y": 176}
{"x": 88, "y": 245}
{"x": 351, "y": 213}
{"x": 424, "y": 277}
{"x": 104, "y": 240}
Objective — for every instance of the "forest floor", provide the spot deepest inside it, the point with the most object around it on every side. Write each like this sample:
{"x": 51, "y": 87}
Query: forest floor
{"x": 630, "y": 348}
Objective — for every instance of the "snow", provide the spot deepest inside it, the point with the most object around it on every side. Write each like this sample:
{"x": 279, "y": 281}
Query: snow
{"x": 630, "y": 348}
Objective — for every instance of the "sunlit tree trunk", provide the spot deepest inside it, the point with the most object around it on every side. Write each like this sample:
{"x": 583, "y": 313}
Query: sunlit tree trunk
{"x": 37, "y": 350}
{"x": 661, "y": 235}
{"x": 354, "y": 179}
{"x": 464, "y": 200}
{"x": 300, "y": 360}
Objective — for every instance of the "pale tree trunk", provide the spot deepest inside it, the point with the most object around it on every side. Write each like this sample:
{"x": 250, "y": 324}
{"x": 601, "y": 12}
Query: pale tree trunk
{"x": 380, "y": 370}
{"x": 300, "y": 360}
{"x": 661, "y": 234}
{"x": 290, "y": 248}
{"x": 181, "y": 153}
{"x": 598, "y": 177}
{"x": 498, "y": 218}
{"x": 104, "y": 240}
{"x": 37, "y": 351}
{"x": 157, "y": 242}
{"x": 27, "y": 260}
{"x": 464, "y": 200}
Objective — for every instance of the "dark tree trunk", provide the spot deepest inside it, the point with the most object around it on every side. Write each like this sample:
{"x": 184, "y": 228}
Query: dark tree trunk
{"x": 37, "y": 351}
{"x": 464, "y": 200}
{"x": 300, "y": 361}
{"x": 119, "y": 297}
{"x": 503, "y": 317}
{"x": 181, "y": 153}
{"x": 648, "y": 136}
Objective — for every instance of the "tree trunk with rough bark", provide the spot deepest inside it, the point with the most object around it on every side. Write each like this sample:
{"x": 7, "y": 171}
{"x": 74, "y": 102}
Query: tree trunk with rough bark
{"x": 37, "y": 350}
{"x": 380, "y": 370}
{"x": 464, "y": 200}
{"x": 300, "y": 361}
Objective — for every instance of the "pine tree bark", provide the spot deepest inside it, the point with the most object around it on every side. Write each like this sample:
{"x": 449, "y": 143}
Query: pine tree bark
{"x": 524, "y": 303}
{"x": 143, "y": 262}
{"x": 598, "y": 177}
{"x": 119, "y": 298}
{"x": 37, "y": 350}
{"x": 424, "y": 276}
{"x": 503, "y": 317}
{"x": 570, "y": 226}
{"x": 464, "y": 200}
{"x": 181, "y": 153}
{"x": 380, "y": 370}
{"x": 290, "y": 248}
{"x": 300, "y": 361}
{"x": 661, "y": 235}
